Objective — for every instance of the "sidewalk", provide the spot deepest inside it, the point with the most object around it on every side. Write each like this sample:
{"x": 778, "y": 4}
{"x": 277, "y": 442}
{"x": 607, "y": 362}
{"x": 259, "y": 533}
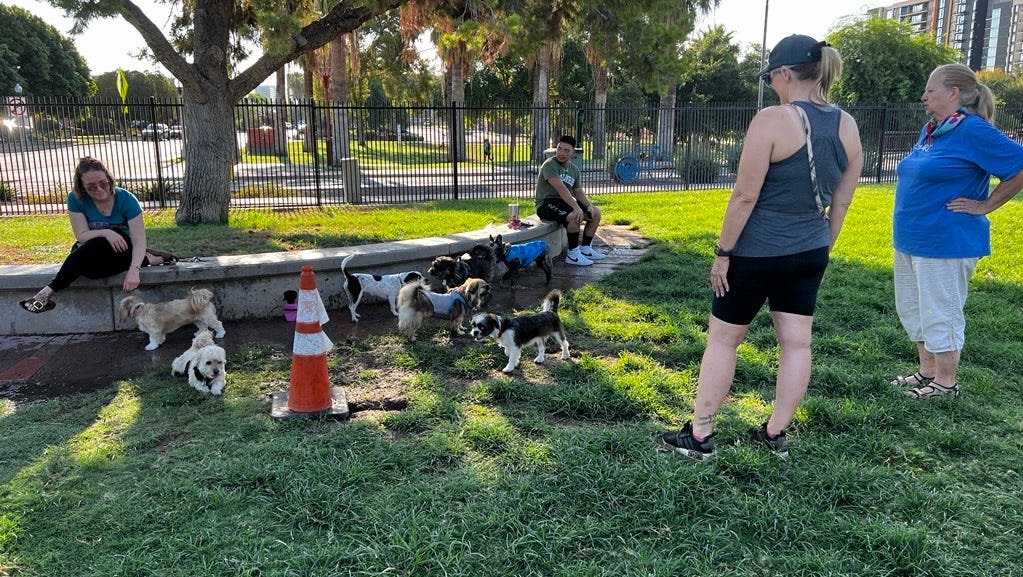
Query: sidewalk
{"x": 42, "y": 367}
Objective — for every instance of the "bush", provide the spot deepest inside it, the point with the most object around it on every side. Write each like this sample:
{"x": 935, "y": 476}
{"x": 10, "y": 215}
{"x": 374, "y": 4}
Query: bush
{"x": 6, "y": 192}
{"x": 703, "y": 166}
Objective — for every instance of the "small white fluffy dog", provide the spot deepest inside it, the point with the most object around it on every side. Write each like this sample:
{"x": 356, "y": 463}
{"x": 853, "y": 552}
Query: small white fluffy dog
{"x": 518, "y": 332}
{"x": 386, "y": 287}
{"x": 205, "y": 364}
{"x": 160, "y": 319}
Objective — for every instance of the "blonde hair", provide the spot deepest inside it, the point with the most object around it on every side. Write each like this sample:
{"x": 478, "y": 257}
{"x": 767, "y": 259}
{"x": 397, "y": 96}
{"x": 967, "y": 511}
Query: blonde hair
{"x": 89, "y": 164}
{"x": 974, "y": 96}
{"x": 826, "y": 70}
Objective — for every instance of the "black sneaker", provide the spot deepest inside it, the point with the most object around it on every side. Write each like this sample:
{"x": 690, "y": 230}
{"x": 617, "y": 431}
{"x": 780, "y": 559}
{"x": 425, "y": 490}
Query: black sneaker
{"x": 682, "y": 442}
{"x": 778, "y": 444}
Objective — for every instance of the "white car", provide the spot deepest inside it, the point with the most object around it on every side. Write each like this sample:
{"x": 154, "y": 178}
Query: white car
{"x": 157, "y": 131}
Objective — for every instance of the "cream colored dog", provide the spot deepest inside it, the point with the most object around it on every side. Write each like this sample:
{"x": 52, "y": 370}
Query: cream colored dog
{"x": 160, "y": 319}
{"x": 416, "y": 303}
{"x": 205, "y": 364}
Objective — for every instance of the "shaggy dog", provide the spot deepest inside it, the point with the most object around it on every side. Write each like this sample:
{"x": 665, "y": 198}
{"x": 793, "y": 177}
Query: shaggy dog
{"x": 205, "y": 364}
{"x": 515, "y": 333}
{"x": 522, "y": 256}
{"x": 450, "y": 271}
{"x": 480, "y": 262}
{"x": 416, "y": 303}
{"x": 358, "y": 285}
{"x": 160, "y": 319}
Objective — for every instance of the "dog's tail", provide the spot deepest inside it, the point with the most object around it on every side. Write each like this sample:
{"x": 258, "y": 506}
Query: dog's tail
{"x": 413, "y": 304}
{"x": 198, "y": 299}
{"x": 345, "y": 276}
{"x": 551, "y": 301}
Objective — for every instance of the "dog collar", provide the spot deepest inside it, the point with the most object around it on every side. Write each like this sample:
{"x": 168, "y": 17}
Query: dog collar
{"x": 502, "y": 327}
{"x": 198, "y": 375}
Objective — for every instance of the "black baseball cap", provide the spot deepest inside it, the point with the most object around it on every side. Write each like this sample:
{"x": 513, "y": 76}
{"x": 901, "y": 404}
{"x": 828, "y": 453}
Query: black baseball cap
{"x": 795, "y": 49}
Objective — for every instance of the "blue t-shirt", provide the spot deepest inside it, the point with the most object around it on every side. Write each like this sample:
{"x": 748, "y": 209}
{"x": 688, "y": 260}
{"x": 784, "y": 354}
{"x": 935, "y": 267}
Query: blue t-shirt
{"x": 126, "y": 207}
{"x": 959, "y": 163}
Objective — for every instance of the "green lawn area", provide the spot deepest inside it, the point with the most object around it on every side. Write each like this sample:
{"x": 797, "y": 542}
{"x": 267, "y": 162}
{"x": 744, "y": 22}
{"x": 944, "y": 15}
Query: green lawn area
{"x": 552, "y": 471}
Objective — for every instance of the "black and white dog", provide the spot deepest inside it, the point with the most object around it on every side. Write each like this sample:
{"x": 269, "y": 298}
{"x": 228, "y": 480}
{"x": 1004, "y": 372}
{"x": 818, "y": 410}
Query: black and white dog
{"x": 515, "y": 333}
{"x": 522, "y": 256}
{"x": 357, "y": 285}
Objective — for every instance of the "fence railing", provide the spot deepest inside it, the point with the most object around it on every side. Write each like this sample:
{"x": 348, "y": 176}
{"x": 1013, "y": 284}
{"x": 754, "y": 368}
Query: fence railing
{"x": 307, "y": 154}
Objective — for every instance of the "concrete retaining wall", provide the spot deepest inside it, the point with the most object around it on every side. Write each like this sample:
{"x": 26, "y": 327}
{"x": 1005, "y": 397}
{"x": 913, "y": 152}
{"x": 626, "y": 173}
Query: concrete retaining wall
{"x": 246, "y": 286}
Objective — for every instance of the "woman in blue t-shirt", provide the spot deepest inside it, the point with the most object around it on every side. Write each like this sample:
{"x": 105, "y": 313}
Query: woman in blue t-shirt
{"x": 939, "y": 230}
{"x": 111, "y": 237}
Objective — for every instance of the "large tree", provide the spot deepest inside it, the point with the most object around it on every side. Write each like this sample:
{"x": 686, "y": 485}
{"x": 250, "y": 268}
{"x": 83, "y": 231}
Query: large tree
{"x": 212, "y": 32}
{"x": 884, "y": 61}
{"x": 39, "y": 58}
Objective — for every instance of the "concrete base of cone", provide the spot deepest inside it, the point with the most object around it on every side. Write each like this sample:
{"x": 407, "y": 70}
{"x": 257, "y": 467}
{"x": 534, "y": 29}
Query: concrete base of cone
{"x": 338, "y": 411}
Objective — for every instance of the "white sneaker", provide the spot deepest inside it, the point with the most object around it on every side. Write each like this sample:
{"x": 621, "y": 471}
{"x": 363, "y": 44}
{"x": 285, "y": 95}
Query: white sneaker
{"x": 591, "y": 254}
{"x": 575, "y": 257}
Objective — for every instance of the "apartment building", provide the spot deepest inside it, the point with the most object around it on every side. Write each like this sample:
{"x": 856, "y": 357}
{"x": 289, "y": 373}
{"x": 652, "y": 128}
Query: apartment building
{"x": 988, "y": 33}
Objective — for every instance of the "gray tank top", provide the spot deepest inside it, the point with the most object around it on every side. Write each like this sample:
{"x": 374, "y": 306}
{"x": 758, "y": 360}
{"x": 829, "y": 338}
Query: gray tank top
{"x": 785, "y": 219}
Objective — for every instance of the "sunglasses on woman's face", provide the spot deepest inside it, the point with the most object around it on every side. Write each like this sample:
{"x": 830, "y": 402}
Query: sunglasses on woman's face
{"x": 767, "y": 77}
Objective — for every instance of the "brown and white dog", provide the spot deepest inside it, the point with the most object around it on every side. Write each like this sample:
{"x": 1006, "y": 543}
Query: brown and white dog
{"x": 160, "y": 319}
{"x": 416, "y": 303}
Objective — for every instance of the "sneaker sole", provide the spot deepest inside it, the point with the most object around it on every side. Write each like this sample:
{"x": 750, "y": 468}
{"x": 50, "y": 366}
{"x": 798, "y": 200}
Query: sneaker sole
{"x": 690, "y": 453}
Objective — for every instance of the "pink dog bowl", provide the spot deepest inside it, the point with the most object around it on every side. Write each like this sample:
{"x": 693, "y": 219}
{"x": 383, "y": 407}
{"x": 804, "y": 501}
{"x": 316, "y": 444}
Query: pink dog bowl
{"x": 290, "y": 312}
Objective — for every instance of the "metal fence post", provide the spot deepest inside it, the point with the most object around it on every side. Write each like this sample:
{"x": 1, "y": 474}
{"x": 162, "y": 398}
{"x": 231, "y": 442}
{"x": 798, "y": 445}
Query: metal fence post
{"x": 453, "y": 134}
{"x": 880, "y": 144}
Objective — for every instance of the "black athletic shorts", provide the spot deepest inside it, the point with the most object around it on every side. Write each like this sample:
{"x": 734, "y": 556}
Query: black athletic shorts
{"x": 557, "y": 210}
{"x": 788, "y": 283}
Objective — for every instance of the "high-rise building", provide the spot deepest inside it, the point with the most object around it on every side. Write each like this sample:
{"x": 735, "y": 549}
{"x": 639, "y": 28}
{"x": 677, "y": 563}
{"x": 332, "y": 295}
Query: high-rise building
{"x": 987, "y": 33}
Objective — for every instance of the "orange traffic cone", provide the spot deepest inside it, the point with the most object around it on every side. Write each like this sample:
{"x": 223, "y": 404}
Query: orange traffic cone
{"x": 310, "y": 393}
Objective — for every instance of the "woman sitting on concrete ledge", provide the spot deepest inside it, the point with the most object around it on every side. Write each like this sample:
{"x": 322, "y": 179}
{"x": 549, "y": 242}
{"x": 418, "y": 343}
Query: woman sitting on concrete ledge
{"x": 110, "y": 234}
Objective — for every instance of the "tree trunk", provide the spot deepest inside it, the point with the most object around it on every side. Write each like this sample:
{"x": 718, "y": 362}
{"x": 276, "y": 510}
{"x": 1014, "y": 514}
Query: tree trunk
{"x": 339, "y": 82}
{"x": 600, "y": 84}
{"x": 210, "y": 150}
{"x": 666, "y": 124}
{"x": 456, "y": 132}
{"x": 541, "y": 110}
{"x": 280, "y": 131}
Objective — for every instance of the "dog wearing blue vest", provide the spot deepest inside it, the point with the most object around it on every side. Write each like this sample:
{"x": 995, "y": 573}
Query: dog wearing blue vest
{"x": 522, "y": 256}
{"x": 417, "y": 303}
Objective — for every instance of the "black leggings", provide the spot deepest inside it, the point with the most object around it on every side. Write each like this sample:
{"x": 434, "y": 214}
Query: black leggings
{"x": 94, "y": 258}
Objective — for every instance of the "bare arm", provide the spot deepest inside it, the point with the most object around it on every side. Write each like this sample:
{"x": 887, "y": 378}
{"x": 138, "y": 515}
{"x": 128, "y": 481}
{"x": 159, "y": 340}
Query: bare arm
{"x": 138, "y": 253}
{"x": 568, "y": 197}
{"x": 842, "y": 196}
{"x": 1002, "y": 194}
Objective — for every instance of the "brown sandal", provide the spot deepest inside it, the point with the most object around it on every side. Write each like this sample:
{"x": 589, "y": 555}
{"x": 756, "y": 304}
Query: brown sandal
{"x": 932, "y": 391}
{"x": 914, "y": 380}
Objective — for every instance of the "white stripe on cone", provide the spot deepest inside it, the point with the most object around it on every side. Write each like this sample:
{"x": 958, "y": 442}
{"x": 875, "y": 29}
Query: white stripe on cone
{"x": 311, "y": 310}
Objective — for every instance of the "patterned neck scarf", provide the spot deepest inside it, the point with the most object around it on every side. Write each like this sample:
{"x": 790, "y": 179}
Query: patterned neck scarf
{"x": 934, "y": 129}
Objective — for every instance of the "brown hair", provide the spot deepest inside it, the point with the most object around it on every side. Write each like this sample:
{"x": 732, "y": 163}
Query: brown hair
{"x": 89, "y": 164}
{"x": 826, "y": 70}
{"x": 975, "y": 96}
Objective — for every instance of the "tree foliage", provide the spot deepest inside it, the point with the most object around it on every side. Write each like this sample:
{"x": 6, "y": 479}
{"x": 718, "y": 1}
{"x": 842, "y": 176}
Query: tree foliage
{"x": 141, "y": 85}
{"x": 883, "y": 61}
{"x": 37, "y": 56}
{"x": 712, "y": 72}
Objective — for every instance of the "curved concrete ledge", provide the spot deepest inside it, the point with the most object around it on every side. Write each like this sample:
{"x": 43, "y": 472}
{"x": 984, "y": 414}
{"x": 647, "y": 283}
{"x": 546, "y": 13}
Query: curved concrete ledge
{"x": 246, "y": 286}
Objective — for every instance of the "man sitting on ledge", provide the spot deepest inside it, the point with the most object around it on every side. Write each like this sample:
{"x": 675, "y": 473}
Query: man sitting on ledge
{"x": 560, "y": 198}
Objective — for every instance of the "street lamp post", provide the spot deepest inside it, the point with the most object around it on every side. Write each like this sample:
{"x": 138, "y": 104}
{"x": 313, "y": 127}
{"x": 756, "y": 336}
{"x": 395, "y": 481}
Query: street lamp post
{"x": 24, "y": 139}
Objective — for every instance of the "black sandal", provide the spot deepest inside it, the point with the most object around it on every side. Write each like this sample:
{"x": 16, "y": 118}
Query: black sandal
{"x": 932, "y": 390}
{"x": 34, "y": 305}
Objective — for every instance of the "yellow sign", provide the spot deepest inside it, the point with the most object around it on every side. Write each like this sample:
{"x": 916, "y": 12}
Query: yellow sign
{"x": 122, "y": 88}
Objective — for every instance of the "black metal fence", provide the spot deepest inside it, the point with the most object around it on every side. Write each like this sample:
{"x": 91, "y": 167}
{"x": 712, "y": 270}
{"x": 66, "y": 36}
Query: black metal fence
{"x": 306, "y": 154}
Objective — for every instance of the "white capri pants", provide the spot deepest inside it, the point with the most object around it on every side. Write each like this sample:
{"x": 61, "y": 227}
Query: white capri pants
{"x": 930, "y": 294}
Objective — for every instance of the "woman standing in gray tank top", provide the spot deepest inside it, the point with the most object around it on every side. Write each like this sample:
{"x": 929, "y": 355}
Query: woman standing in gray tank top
{"x": 800, "y": 164}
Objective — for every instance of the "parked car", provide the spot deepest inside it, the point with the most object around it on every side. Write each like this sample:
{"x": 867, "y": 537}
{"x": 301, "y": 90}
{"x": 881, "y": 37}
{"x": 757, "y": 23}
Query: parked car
{"x": 158, "y": 131}
{"x": 175, "y": 131}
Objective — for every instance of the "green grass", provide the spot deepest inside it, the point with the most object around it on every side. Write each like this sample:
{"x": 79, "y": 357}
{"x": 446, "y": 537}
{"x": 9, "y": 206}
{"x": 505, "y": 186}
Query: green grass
{"x": 553, "y": 471}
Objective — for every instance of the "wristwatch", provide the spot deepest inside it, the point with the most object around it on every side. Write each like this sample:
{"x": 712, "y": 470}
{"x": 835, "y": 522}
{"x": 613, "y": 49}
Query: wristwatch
{"x": 718, "y": 251}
